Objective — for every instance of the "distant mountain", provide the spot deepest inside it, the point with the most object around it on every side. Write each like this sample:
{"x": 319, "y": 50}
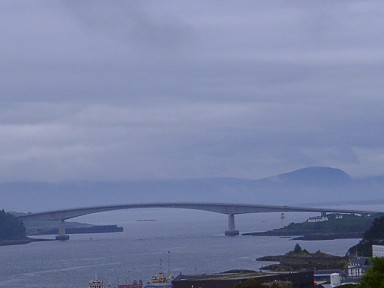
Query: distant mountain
{"x": 307, "y": 186}
{"x": 313, "y": 176}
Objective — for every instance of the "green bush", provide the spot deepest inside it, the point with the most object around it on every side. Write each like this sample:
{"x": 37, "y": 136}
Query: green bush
{"x": 374, "y": 277}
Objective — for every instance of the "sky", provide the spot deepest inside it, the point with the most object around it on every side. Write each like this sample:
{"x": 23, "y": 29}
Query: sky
{"x": 133, "y": 90}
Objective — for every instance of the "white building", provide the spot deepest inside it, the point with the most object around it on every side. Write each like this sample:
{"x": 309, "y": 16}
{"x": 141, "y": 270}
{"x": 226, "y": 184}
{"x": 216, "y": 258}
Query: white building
{"x": 358, "y": 266}
{"x": 317, "y": 219}
{"x": 378, "y": 250}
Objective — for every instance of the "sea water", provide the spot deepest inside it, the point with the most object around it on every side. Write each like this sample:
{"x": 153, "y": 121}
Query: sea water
{"x": 181, "y": 241}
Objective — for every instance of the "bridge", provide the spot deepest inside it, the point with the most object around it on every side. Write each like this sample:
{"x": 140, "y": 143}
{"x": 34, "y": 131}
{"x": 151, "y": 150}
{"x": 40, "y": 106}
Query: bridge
{"x": 229, "y": 209}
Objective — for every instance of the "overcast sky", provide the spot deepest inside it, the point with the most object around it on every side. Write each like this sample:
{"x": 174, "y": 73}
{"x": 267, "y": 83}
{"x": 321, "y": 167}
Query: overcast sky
{"x": 120, "y": 90}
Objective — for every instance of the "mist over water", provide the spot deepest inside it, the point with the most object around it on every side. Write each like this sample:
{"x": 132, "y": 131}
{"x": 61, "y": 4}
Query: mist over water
{"x": 194, "y": 239}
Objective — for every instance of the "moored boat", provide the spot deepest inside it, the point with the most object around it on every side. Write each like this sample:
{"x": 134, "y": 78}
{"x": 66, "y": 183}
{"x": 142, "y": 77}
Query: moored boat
{"x": 159, "y": 280}
{"x": 135, "y": 284}
{"x": 96, "y": 284}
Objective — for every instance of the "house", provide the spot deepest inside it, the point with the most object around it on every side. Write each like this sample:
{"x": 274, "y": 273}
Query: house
{"x": 317, "y": 219}
{"x": 358, "y": 266}
{"x": 378, "y": 250}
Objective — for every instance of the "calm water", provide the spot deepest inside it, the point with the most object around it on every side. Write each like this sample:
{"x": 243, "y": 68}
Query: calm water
{"x": 194, "y": 240}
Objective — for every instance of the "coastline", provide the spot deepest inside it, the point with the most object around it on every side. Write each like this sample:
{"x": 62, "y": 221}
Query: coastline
{"x": 309, "y": 236}
{"x": 15, "y": 242}
{"x": 22, "y": 241}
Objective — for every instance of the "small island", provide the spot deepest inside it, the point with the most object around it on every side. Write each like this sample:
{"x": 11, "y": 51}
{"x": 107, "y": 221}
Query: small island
{"x": 301, "y": 260}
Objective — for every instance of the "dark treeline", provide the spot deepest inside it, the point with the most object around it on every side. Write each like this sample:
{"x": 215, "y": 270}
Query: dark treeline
{"x": 11, "y": 228}
{"x": 373, "y": 236}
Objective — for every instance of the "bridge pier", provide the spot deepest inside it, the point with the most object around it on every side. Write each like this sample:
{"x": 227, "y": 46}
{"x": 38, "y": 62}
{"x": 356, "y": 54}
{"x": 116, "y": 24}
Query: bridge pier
{"x": 62, "y": 235}
{"x": 231, "y": 226}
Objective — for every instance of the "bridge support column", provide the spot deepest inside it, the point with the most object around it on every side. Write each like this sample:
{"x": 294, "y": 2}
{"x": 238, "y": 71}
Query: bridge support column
{"x": 62, "y": 235}
{"x": 231, "y": 226}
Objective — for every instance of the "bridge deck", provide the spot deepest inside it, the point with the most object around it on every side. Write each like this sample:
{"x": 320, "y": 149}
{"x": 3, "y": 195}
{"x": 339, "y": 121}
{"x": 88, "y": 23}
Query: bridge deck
{"x": 222, "y": 208}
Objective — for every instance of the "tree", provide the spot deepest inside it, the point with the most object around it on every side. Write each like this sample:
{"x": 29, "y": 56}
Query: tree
{"x": 375, "y": 233}
{"x": 11, "y": 228}
{"x": 374, "y": 277}
{"x": 297, "y": 249}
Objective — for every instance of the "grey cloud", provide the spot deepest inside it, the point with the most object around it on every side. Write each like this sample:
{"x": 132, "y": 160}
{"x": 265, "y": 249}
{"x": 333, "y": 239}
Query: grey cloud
{"x": 133, "y": 23}
{"x": 188, "y": 140}
{"x": 135, "y": 90}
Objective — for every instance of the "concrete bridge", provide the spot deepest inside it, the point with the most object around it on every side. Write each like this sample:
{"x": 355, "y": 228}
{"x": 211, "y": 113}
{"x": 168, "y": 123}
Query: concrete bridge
{"x": 229, "y": 209}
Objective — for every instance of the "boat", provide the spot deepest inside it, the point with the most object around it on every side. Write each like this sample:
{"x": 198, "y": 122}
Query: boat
{"x": 96, "y": 284}
{"x": 159, "y": 280}
{"x": 135, "y": 284}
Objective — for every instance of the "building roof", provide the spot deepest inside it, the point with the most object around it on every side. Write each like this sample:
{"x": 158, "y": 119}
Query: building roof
{"x": 359, "y": 262}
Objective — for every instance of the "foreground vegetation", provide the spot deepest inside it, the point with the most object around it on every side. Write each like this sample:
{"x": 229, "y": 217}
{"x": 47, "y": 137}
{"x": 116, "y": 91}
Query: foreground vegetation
{"x": 374, "y": 277}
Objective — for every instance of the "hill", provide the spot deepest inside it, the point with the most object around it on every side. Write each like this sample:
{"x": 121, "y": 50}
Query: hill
{"x": 332, "y": 226}
{"x": 323, "y": 176}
